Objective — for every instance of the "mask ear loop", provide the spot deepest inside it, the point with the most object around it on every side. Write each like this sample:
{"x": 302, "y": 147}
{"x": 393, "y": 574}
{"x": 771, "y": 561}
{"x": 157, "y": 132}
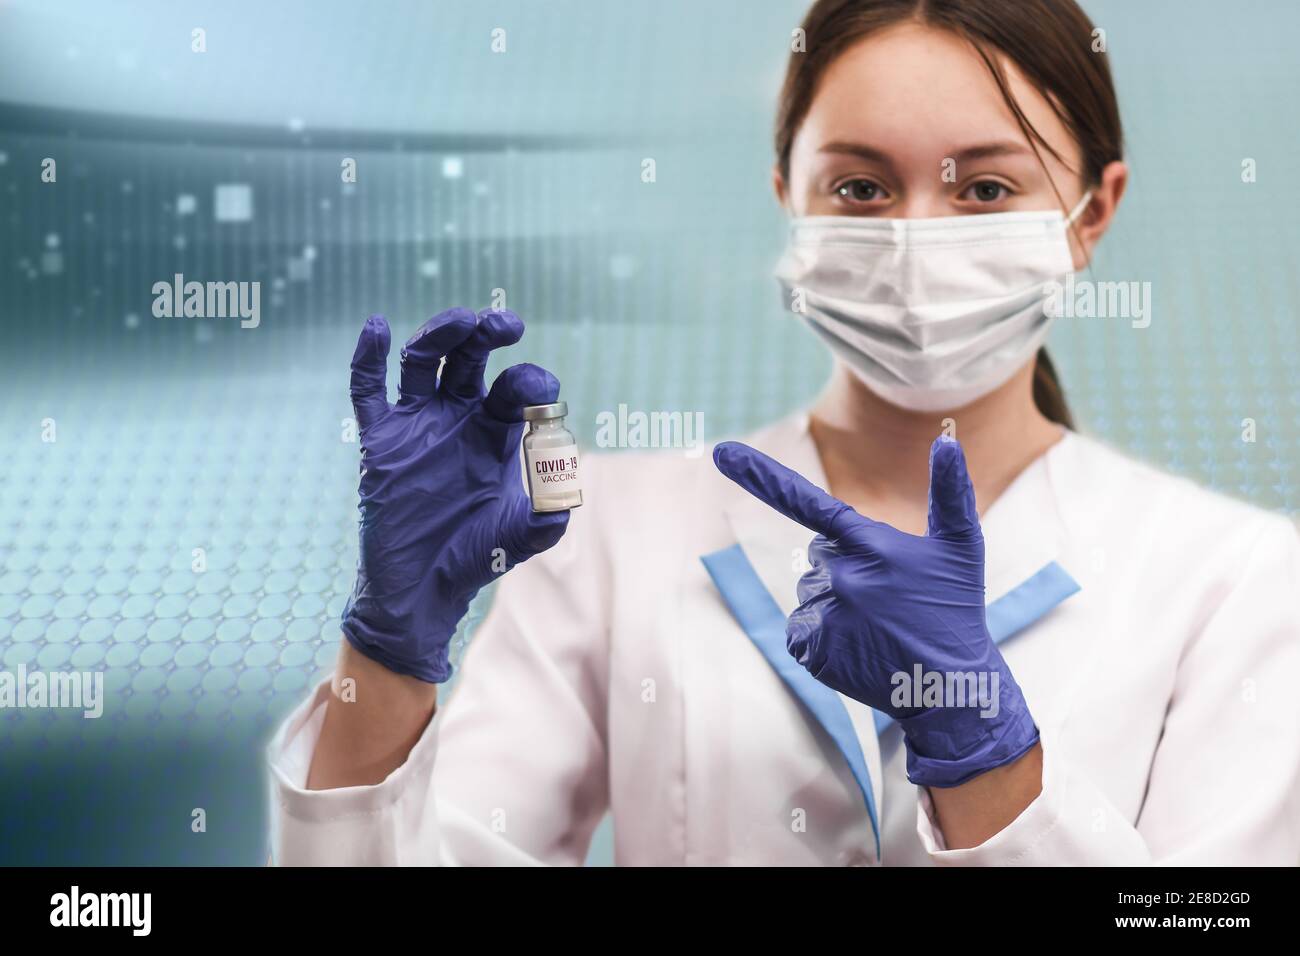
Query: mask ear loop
{"x": 1079, "y": 208}
{"x": 1075, "y": 213}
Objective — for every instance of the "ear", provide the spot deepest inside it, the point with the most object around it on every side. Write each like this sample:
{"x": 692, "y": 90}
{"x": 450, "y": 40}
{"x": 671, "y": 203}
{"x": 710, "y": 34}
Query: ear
{"x": 1100, "y": 212}
{"x": 779, "y": 187}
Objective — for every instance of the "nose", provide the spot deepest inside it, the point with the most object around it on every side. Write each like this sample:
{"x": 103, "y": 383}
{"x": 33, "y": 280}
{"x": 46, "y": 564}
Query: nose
{"x": 929, "y": 204}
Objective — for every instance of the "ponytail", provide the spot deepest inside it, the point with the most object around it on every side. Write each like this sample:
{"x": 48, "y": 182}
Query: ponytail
{"x": 1049, "y": 396}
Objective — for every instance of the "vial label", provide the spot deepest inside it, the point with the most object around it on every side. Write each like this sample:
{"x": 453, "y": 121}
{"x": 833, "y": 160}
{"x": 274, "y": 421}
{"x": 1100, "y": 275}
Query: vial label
{"x": 553, "y": 471}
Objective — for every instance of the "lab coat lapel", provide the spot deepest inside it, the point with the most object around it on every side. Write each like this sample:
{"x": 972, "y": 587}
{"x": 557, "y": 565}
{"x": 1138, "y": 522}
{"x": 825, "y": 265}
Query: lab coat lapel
{"x": 777, "y": 550}
{"x": 1023, "y": 530}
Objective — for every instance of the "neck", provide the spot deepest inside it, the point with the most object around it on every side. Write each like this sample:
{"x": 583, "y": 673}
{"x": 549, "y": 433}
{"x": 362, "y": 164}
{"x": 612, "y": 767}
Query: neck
{"x": 874, "y": 452}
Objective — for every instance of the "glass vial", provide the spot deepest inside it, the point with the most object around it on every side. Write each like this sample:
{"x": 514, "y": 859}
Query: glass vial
{"x": 551, "y": 459}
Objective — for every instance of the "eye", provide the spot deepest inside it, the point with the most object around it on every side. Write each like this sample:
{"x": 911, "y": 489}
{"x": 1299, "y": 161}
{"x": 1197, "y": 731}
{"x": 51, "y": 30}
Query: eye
{"x": 986, "y": 191}
{"x": 859, "y": 191}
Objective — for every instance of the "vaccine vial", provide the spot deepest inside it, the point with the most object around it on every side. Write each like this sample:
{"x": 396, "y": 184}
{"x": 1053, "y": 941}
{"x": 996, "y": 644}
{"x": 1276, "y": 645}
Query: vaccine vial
{"x": 551, "y": 459}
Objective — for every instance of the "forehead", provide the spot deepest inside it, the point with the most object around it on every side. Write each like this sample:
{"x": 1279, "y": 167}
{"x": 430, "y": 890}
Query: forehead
{"x": 918, "y": 91}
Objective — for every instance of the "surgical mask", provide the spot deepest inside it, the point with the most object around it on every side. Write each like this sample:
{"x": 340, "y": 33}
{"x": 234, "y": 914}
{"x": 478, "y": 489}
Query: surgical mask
{"x": 930, "y": 314}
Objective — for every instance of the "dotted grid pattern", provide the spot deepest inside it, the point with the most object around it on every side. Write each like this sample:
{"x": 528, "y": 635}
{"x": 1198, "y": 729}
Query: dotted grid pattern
{"x": 99, "y": 532}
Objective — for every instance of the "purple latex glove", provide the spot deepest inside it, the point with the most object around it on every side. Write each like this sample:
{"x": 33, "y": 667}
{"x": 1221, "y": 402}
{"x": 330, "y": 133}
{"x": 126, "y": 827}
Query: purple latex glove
{"x": 878, "y": 603}
{"x": 443, "y": 506}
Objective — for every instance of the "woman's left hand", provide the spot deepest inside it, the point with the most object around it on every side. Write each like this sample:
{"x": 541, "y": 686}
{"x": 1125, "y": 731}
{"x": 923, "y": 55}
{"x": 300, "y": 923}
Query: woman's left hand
{"x": 897, "y": 621}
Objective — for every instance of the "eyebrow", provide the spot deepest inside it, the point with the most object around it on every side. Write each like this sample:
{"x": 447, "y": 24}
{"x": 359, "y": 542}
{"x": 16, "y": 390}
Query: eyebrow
{"x": 860, "y": 150}
{"x": 1004, "y": 147}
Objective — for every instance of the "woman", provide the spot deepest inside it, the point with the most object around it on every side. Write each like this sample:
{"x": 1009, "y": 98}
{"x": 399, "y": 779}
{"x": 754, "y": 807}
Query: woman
{"x": 758, "y": 671}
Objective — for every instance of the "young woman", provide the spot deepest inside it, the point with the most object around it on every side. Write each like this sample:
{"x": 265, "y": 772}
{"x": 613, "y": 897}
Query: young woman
{"x": 745, "y": 668}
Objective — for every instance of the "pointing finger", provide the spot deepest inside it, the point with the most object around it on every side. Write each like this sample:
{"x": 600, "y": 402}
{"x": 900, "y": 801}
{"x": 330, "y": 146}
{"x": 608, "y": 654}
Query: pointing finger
{"x": 781, "y": 488}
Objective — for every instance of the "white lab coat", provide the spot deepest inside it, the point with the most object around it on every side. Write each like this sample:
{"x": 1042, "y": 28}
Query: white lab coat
{"x": 610, "y": 675}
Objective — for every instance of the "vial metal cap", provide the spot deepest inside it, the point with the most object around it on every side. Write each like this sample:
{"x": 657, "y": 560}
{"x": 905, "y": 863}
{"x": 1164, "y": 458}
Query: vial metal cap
{"x": 542, "y": 413}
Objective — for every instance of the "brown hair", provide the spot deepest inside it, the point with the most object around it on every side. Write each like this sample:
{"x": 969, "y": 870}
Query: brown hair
{"x": 1050, "y": 41}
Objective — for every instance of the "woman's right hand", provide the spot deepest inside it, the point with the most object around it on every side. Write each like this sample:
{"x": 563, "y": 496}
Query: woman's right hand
{"x": 443, "y": 506}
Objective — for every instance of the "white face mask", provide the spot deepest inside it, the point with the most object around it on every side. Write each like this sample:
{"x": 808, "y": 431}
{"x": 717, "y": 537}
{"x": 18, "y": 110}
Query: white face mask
{"x": 931, "y": 314}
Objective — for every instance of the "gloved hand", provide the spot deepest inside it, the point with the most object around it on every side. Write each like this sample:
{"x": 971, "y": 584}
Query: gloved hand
{"x": 878, "y": 602}
{"x": 443, "y": 506}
